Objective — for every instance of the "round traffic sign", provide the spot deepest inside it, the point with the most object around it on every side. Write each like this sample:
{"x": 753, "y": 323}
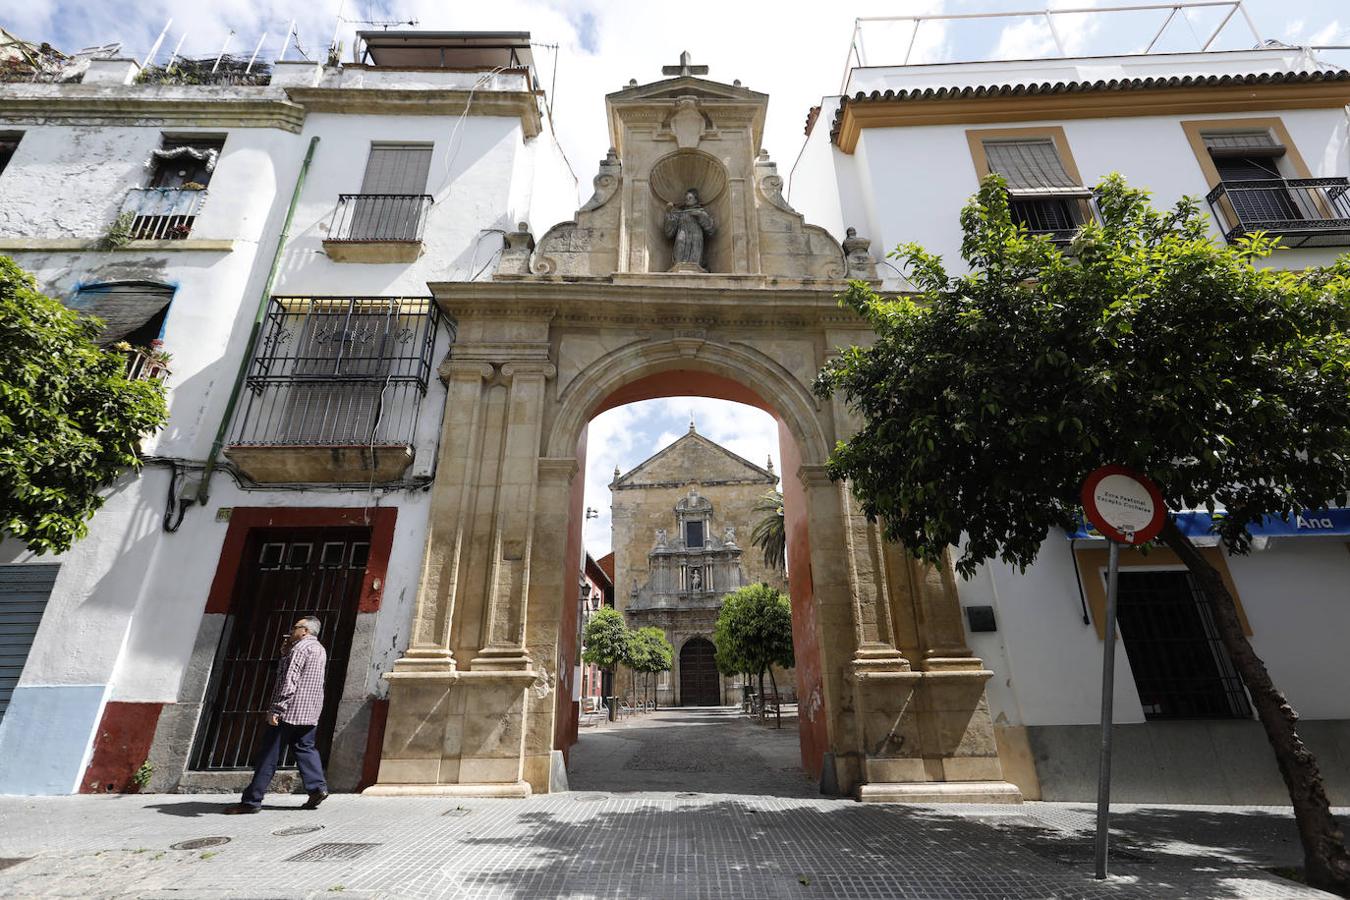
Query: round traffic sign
{"x": 1125, "y": 506}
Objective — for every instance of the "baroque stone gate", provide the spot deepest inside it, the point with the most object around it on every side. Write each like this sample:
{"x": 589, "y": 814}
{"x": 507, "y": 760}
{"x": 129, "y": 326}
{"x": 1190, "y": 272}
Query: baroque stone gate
{"x": 686, "y": 273}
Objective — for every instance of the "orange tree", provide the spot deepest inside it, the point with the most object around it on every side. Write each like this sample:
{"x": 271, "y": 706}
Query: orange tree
{"x": 988, "y": 397}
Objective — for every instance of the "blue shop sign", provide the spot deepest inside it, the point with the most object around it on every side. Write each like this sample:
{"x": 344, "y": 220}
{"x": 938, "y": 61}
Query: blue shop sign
{"x": 1317, "y": 522}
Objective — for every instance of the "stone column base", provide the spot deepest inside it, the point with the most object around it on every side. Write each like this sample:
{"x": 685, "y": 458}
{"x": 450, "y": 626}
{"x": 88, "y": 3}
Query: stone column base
{"x": 939, "y": 792}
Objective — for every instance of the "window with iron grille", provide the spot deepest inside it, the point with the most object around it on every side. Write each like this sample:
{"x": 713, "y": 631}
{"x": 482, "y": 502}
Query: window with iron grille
{"x": 168, "y": 206}
{"x": 1180, "y": 666}
{"x": 1043, "y": 196}
{"x": 339, "y": 371}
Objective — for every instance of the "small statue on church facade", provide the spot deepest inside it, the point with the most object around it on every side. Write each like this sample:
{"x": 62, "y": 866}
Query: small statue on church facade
{"x": 688, "y": 225}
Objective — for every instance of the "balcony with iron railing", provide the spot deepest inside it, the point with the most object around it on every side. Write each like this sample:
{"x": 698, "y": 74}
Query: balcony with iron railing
{"x": 334, "y": 388}
{"x": 145, "y": 363}
{"x": 1056, "y": 216}
{"x": 1302, "y": 212}
{"x": 159, "y": 213}
{"x": 377, "y": 228}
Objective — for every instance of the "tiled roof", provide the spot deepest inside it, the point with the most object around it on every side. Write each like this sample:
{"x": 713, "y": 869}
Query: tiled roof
{"x": 1079, "y": 87}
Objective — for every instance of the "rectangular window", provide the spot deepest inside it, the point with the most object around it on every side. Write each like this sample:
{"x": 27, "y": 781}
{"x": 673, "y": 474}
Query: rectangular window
{"x": 693, "y": 534}
{"x": 1248, "y": 163}
{"x": 187, "y": 161}
{"x": 389, "y": 207}
{"x": 1180, "y": 666}
{"x": 1044, "y": 196}
{"x": 9, "y": 142}
{"x": 24, "y": 590}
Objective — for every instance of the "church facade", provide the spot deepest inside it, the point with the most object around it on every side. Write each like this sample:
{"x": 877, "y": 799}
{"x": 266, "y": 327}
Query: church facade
{"x": 682, "y": 522}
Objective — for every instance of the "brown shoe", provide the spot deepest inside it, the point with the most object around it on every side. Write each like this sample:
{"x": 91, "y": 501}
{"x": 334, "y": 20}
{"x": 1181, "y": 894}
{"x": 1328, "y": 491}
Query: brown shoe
{"x": 315, "y": 798}
{"x": 240, "y": 809}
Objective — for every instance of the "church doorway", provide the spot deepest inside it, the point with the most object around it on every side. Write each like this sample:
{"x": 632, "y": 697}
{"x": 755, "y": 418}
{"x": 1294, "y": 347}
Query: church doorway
{"x": 698, "y": 674}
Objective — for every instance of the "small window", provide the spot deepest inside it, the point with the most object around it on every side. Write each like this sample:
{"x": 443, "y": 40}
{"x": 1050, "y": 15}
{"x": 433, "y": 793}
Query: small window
{"x": 1180, "y": 666}
{"x": 331, "y": 555}
{"x": 360, "y": 555}
{"x": 693, "y": 534}
{"x": 1248, "y": 165}
{"x": 297, "y": 557}
{"x": 185, "y": 163}
{"x": 132, "y": 311}
{"x": 1044, "y": 196}
{"x": 270, "y": 557}
{"x": 8, "y": 144}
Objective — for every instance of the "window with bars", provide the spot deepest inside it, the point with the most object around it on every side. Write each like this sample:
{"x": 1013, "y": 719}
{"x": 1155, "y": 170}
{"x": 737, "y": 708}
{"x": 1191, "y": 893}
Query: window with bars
{"x": 1181, "y": 668}
{"x": 339, "y": 371}
{"x": 1043, "y": 196}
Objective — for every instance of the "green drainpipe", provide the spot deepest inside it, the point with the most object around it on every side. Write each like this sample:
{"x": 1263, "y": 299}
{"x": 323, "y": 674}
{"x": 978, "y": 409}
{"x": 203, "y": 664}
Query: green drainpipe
{"x": 203, "y": 489}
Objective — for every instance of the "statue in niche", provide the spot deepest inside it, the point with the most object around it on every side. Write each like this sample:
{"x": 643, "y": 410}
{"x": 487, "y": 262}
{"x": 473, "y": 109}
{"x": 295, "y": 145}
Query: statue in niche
{"x": 695, "y": 579}
{"x": 661, "y": 537}
{"x": 688, "y": 225}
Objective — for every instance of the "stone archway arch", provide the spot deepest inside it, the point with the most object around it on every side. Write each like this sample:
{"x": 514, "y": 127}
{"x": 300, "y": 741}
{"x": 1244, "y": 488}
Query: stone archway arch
{"x": 605, "y": 383}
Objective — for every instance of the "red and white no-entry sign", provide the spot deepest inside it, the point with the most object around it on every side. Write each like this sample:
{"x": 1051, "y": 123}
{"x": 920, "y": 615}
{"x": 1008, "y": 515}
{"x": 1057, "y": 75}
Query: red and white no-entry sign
{"x": 1125, "y": 506}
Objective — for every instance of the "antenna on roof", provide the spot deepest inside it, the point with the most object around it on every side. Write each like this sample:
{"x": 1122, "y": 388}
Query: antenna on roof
{"x": 386, "y": 24}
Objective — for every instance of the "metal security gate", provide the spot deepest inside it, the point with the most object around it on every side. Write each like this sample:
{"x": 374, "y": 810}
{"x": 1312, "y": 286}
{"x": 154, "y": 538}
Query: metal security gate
{"x": 1179, "y": 662}
{"x": 23, "y": 597}
{"x": 285, "y": 574}
{"x": 699, "y": 681}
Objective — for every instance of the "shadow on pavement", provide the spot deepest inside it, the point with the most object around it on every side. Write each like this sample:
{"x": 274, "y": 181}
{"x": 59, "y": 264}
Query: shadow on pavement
{"x": 193, "y": 809}
{"x": 845, "y": 849}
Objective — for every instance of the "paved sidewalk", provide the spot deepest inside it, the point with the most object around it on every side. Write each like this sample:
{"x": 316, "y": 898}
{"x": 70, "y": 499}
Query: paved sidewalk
{"x": 593, "y": 844}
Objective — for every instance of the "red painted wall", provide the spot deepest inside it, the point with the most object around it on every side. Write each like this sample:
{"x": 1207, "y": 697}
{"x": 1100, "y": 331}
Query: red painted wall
{"x": 120, "y": 746}
{"x": 567, "y": 712}
{"x": 811, "y": 718}
{"x": 370, "y": 764}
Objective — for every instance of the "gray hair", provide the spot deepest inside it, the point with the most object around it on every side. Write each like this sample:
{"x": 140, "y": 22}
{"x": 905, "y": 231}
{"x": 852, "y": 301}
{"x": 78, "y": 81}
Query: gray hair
{"x": 312, "y": 625}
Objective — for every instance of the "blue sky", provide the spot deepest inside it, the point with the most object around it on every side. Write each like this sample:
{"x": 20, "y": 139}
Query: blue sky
{"x": 793, "y": 50}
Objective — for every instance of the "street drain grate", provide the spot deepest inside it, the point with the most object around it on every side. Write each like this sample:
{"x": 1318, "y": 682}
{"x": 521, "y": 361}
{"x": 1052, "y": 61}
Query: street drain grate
{"x": 12, "y": 862}
{"x": 457, "y": 812}
{"x": 297, "y": 829}
{"x": 323, "y": 852}
{"x": 1074, "y": 852}
{"x": 200, "y": 843}
{"x": 590, "y": 798}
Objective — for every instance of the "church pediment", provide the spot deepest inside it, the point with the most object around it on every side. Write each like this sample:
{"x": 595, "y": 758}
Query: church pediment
{"x": 694, "y": 458}
{"x": 686, "y": 86}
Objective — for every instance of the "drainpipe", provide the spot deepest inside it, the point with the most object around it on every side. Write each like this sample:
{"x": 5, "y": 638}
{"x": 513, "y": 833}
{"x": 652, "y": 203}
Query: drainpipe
{"x": 203, "y": 492}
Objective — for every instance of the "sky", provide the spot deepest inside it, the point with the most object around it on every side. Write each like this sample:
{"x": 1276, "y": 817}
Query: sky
{"x": 795, "y": 51}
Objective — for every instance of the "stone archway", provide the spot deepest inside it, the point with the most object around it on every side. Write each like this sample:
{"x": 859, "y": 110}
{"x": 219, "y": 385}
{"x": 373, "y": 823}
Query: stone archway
{"x": 892, "y": 700}
{"x": 700, "y": 684}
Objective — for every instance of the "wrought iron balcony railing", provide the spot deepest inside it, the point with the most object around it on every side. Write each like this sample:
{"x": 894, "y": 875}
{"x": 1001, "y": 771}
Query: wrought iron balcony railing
{"x": 338, "y": 371}
{"x": 391, "y": 218}
{"x": 1058, "y": 217}
{"x": 146, "y": 365}
{"x": 1303, "y": 212}
{"x": 162, "y": 214}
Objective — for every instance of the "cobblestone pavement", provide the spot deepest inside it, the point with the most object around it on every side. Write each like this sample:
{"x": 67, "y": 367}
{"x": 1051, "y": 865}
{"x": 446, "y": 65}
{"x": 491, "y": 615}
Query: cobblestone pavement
{"x": 635, "y": 843}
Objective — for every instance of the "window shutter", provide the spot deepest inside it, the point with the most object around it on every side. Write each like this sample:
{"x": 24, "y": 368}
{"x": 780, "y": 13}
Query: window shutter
{"x": 24, "y": 590}
{"x": 1032, "y": 167}
{"x": 397, "y": 169}
{"x": 1244, "y": 143}
{"x": 132, "y": 311}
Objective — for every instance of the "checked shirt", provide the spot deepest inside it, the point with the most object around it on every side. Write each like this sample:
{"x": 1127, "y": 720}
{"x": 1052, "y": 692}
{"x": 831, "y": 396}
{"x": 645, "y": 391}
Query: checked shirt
{"x": 298, "y": 698}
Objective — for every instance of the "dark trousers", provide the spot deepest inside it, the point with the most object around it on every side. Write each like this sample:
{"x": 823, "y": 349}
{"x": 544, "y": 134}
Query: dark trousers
{"x": 299, "y": 738}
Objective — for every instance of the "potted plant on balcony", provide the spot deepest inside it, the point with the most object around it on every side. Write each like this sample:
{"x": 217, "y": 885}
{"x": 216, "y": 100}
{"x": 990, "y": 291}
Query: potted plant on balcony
{"x": 192, "y": 186}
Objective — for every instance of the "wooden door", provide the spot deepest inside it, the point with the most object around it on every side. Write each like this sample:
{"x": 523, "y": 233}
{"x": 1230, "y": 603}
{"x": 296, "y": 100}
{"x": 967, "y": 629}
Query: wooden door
{"x": 700, "y": 685}
{"x": 286, "y": 574}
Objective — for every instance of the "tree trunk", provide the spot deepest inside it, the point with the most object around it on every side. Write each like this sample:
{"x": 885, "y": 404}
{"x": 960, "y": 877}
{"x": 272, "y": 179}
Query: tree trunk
{"x": 607, "y": 691}
{"x": 777, "y": 706}
{"x": 761, "y": 695}
{"x": 1326, "y": 862}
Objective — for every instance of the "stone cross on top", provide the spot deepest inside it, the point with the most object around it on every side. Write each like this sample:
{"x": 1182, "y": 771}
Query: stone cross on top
{"x": 684, "y": 68}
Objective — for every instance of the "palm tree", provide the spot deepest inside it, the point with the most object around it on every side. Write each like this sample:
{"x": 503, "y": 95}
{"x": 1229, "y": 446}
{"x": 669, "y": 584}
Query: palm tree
{"x": 769, "y": 535}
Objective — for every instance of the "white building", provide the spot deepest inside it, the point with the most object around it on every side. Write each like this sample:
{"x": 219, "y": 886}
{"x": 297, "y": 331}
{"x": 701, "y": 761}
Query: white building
{"x": 161, "y": 207}
{"x": 1263, "y": 134}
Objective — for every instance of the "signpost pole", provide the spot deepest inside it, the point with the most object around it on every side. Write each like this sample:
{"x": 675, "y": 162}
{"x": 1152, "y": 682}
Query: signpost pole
{"x": 1108, "y": 696}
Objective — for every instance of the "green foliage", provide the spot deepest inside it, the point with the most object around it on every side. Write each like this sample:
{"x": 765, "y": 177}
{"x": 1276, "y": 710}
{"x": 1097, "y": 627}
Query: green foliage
{"x": 649, "y": 651}
{"x": 70, "y": 419}
{"x": 987, "y": 398}
{"x": 769, "y": 533}
{"x": 141, "y": 777}
{"x": 119, "y": 233}
{"x": 754, "y": 630}
{"x": 606, "y": 639}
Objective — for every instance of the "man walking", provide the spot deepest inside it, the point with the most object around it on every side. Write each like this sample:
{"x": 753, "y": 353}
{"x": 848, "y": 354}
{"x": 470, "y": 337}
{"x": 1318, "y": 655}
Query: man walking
{"x": 293, "y": 718}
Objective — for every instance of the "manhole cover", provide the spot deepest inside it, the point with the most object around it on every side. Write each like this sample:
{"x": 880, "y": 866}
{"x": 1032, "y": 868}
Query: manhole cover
{"x": 297, "y": 829}
{"x": 11, "y": 863}
{"x": 457, "y": 812}
{"x": 331, "y": 851}
{"x": 590, "y": 798}
{"x": 200, "y": 843}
